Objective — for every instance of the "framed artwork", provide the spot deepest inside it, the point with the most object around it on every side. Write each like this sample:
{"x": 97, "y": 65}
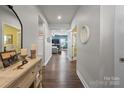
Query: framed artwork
{"x": 8, "y": 58}
{"x": 8, "y": 39}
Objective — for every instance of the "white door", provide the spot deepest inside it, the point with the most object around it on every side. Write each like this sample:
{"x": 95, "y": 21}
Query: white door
{"x": 119, "y": 45}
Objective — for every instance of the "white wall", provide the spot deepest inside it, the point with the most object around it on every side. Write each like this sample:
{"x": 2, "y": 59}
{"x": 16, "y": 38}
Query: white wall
{"x": 107, "y": 23}
{"x": 95, "y": 60}
{"x": 29, "y": 16}
{"x": 88, "y": 55}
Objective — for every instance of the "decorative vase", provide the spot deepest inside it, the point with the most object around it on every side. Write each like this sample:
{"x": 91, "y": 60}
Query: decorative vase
{"x": 33, "y": 54}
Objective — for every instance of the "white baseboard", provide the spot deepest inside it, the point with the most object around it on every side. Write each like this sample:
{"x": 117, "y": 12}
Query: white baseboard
{"x": 82, "y": 79}
{"x": 47, "y": 61}
{"x": 70, "y": 59}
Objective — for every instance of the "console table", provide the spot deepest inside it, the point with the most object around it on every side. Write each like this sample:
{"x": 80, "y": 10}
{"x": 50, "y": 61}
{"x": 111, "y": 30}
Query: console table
{"x": 29, "y": 75}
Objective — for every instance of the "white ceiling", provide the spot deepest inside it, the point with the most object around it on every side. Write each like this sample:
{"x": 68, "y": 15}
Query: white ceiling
{"x": 52, "y": 11}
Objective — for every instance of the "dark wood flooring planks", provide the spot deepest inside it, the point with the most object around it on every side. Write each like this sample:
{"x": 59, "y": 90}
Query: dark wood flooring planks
{"x": 60, "y": 73}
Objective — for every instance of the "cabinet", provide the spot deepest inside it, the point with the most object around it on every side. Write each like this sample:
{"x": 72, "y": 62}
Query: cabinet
{"x": 30, "y": 74}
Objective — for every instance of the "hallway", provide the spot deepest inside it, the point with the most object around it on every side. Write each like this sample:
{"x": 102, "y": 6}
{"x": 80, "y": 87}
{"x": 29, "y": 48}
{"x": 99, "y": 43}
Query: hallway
{"x": 60, "y": 73}
{"x": 91, "y": 34}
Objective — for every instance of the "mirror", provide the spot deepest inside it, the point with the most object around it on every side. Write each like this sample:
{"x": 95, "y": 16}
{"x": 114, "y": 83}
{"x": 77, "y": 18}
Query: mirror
{"x": 11, "y": 38}
{"x": 84, "y": 34}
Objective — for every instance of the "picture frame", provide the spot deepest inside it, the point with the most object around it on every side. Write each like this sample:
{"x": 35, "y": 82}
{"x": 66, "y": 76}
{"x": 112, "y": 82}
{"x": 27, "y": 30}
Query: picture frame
{"x": 8, "y": 58}
{"x": 8, "y": 39}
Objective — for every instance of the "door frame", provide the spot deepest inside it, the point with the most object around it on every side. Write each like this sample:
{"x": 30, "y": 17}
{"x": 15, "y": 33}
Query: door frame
{"x": 74, "y": 31}
{"x": 42, "y": 23}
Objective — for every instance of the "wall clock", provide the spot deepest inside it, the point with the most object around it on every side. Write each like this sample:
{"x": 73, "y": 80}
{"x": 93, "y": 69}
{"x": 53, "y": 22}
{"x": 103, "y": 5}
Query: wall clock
{"x": 84, "y": 34}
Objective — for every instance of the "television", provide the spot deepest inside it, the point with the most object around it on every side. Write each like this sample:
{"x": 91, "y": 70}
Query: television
{"x": 56, "y": 41}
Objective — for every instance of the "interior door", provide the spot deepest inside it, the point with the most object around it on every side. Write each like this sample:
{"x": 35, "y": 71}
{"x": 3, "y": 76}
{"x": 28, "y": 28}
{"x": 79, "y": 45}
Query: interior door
{"x": 119, "y": 45}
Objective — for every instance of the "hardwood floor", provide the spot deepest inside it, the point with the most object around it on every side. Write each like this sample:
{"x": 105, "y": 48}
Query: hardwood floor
{"x": 60, "y": 73}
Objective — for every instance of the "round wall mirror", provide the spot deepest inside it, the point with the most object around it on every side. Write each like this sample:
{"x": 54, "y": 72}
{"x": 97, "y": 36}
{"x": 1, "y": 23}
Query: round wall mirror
{"x": 84, "y": 34}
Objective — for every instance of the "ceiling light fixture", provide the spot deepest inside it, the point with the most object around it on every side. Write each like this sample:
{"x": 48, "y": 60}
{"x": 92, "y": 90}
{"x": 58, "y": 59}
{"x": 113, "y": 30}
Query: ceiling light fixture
{"x": 59, "y": 17}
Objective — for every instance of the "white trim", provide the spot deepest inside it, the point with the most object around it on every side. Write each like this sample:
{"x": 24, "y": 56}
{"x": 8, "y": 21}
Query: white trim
{"x": 82, "y": 79}
{"x": 47, "y": 61}
{"x": 69, "y": 58}
{"x": 75, "y": 58}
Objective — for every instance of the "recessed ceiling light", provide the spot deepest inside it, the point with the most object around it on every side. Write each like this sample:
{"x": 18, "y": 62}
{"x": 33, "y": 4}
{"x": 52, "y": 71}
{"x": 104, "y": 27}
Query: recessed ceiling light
{"x": 59, "y": 17}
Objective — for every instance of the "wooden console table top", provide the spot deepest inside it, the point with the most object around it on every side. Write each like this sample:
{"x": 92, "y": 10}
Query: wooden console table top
{"x": 10, "y": 74}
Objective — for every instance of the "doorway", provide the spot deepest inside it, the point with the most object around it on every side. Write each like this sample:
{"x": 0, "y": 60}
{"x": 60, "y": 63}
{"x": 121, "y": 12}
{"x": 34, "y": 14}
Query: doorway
{"x": 41, "y": 39}
{"x": 74, "y": 43}
{"x": 59, "y": 43}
